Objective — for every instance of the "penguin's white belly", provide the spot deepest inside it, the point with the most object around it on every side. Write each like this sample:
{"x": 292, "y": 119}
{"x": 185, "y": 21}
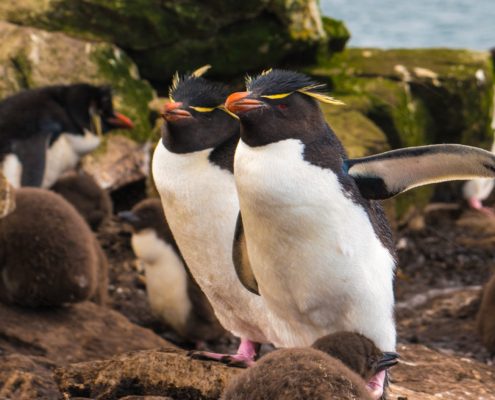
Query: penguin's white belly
{"x": 201, "y": 206}
{"x": 65, "y": 153}
{"x": 12, "y": 170}
{"x": 166, "y": 279}
{"x": 317, "y": 260}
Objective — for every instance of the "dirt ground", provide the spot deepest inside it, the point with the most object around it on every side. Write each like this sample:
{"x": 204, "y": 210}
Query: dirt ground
{"x": 444, "y": 257}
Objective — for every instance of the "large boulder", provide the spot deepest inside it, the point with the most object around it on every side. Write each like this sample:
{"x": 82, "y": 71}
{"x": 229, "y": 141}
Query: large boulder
{"x": 31, "y": 58}
{"x": 163, "y": 36}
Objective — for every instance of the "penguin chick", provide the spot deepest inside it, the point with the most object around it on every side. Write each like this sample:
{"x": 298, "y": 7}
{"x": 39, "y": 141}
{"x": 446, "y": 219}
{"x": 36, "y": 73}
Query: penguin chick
{"x": 193, "y": 173}
{"x": 64, "y": 124}
{"x": 172, "y": 292}
{"x": 485, "y": 321}
{"x": 48, "y": 254}
{"x": 81, "y": 190}
{"x": 361, "y": 355}
{"x": 296, "y": 374}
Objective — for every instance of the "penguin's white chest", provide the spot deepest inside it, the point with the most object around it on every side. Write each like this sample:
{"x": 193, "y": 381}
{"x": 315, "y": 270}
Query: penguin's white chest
{"x": 166, "y": 278}
{"x": 64, "y": 154}
{"x": 12, "y": 170}
{"x": 318, "y": 261}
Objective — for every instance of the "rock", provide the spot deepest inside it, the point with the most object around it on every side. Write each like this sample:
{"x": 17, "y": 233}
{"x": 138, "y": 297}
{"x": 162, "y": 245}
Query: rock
{"x": 119, "y": 162}
{"x": 80, "y": 332}
{"x": 31, "y": 58}
{"x": 165, "y": 36}
{"x": 424, "y": 374}
{"x": 165, "y": 372}
{"x": 27, "y": 377}
{"x": 7, "y": 197}
{"x": 337, "y": 33}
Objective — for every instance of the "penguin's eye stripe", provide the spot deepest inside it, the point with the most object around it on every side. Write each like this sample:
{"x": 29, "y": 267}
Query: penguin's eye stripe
{"x": 203, "y": 109}
{"x": 277, "y": 96}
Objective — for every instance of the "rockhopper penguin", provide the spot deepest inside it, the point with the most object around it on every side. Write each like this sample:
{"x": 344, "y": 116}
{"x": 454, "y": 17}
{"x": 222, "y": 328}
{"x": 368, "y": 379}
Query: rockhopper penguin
{"x": 310, "y": 242}
{"x": 48, "y": 254}
{"x": 192, "y": 170}
{"x": 173, "y": 294}
{"x": 44, "y": 132}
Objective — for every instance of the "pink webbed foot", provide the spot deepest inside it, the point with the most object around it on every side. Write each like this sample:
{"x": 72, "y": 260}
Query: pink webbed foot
{"x": 376, "y": 385}
{"x": 476, "y": 204}
{"x": 245, "y": 356}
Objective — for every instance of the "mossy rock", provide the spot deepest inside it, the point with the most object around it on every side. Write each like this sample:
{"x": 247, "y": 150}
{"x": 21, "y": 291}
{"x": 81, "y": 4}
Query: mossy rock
{"x": 337, "y": 33}
{"x": 31, "y": 58}
{"x": 165, "y": 36}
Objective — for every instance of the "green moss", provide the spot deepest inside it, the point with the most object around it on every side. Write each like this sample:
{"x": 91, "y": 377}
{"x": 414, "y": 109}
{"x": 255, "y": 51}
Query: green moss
{"x": 22, "y": 69}
{"x": 337, "y": 32}
{"x": 131, "y": 94}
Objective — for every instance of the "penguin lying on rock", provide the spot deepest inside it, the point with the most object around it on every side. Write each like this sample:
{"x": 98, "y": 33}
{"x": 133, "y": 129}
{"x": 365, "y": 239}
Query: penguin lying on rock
{"x": 64, "y": 124}
{"x": 192, "y": 170}
{"x": 309, "y": 373}
{"x": 310, "y": 241}
{"x": 49, "y": 256}
{"x": 173, "y": 294}
{"x": 486, "y": 316}
{"x": 83, "y": 192}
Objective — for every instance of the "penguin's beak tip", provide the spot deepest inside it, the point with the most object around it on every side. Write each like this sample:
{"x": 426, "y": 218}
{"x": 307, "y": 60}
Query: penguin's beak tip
{"x": 239, "y": 102}
{"x": 120, "y": 121}
{"x": 174, "y": 112}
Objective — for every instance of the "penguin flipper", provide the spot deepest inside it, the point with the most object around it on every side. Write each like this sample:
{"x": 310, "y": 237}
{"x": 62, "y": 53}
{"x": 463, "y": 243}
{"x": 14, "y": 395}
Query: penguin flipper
{"x": 241, "y": 259}
{"x": 387, "y": 174}
{"x": 32, "y": 156}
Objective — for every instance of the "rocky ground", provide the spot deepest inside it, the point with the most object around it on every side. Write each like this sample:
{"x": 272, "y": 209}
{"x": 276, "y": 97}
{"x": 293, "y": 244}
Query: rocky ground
{"x": 85, "y": 351}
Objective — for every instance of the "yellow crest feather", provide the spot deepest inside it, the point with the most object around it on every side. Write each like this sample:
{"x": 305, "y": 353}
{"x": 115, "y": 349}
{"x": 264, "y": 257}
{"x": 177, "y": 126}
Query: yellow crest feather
{"x": 201, "y": 71}
{"x": 277, "y": 96}
{"x": 322, "y": 97}
{"x": 173, "y": 87}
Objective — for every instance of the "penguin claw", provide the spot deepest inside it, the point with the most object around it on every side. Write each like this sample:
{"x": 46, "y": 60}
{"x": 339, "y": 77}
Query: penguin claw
{"x": 234, "y": 360}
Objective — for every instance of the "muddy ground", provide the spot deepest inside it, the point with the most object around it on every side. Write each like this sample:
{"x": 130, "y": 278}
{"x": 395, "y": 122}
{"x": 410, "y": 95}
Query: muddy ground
{"x": 445, "y": 254}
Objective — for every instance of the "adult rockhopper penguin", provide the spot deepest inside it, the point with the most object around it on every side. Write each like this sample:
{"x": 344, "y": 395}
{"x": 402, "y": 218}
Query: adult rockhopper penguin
{"x": 193, "y": 172}
{"x": 309, "y": 241}
{"x": 44, "y": 132}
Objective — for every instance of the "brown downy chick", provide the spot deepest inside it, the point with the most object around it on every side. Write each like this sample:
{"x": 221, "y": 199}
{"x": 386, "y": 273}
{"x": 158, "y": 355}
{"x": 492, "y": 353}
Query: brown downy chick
{"x": 362, "y": 356}
{"x": 48, "y": 254}
{"x": 82, "y": 191}
{"x": 173, "y": 294}
{"x": 486, "y": 316}
{"x": 297, "y": 374}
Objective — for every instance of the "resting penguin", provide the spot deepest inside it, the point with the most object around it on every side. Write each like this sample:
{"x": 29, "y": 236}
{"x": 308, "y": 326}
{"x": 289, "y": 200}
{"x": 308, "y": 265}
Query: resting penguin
{"x": 48, "y": 254}
{"x": 83, "y": 192}
{"x": 44, "y": 132}
{"x": 173, "y": 294}
{"x": 192, "y": 170}
{"x": 297, "y": 374}
{"x": 486, "y": 316}
{"x": 310, "y": 241}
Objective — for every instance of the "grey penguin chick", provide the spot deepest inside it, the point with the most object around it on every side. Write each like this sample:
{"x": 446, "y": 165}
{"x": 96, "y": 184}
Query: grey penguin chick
{"x": 485, "y": 320}
{"x": 361, "y": 355}
{"x": 48, "y": 254}
{"x": 296, "y": 374}
{"x": 83, "y": 192}
{"x": 312, "y": 241}
{"x": 173, "y": 294}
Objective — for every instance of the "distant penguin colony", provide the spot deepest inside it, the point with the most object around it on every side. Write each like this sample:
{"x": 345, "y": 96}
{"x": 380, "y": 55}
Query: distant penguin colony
{"x": 193, "y": 173}
{"x": 49, "y": 254}
{"x": 83, "y": 192}
{"x": 64, "y": 124}
{"x": 173, "y": 294}
{"x": 296, "y": 374}
{"x": 486, "y": 316}
{"x": 317, "y": 249}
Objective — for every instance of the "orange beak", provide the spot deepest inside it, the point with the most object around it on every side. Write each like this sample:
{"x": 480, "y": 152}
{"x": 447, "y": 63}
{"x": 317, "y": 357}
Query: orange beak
{"x": 121, "y": 121}
{"x": 238, "y": 103}
{"x": 173, "y": 112}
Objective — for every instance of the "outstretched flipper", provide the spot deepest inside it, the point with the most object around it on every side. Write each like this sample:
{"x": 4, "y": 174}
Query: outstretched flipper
{"x": 32, "y": 155}
{"x": 385, "y": 175}
{"x": 241, "y": 259}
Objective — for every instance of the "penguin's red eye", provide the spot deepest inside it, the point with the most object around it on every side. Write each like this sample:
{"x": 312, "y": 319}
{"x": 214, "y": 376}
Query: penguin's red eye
{"x": 281, "y": 106}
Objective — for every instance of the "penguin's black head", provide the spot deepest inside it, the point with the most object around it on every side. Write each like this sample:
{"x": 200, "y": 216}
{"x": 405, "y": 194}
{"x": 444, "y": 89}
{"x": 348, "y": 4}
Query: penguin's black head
{"x": 195, "y": 118}
{"x": 91, "y": 108}
{"x": 147, "y": 214}
{"x": 357, "y": 352}
{"x": 278, "y": 105}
